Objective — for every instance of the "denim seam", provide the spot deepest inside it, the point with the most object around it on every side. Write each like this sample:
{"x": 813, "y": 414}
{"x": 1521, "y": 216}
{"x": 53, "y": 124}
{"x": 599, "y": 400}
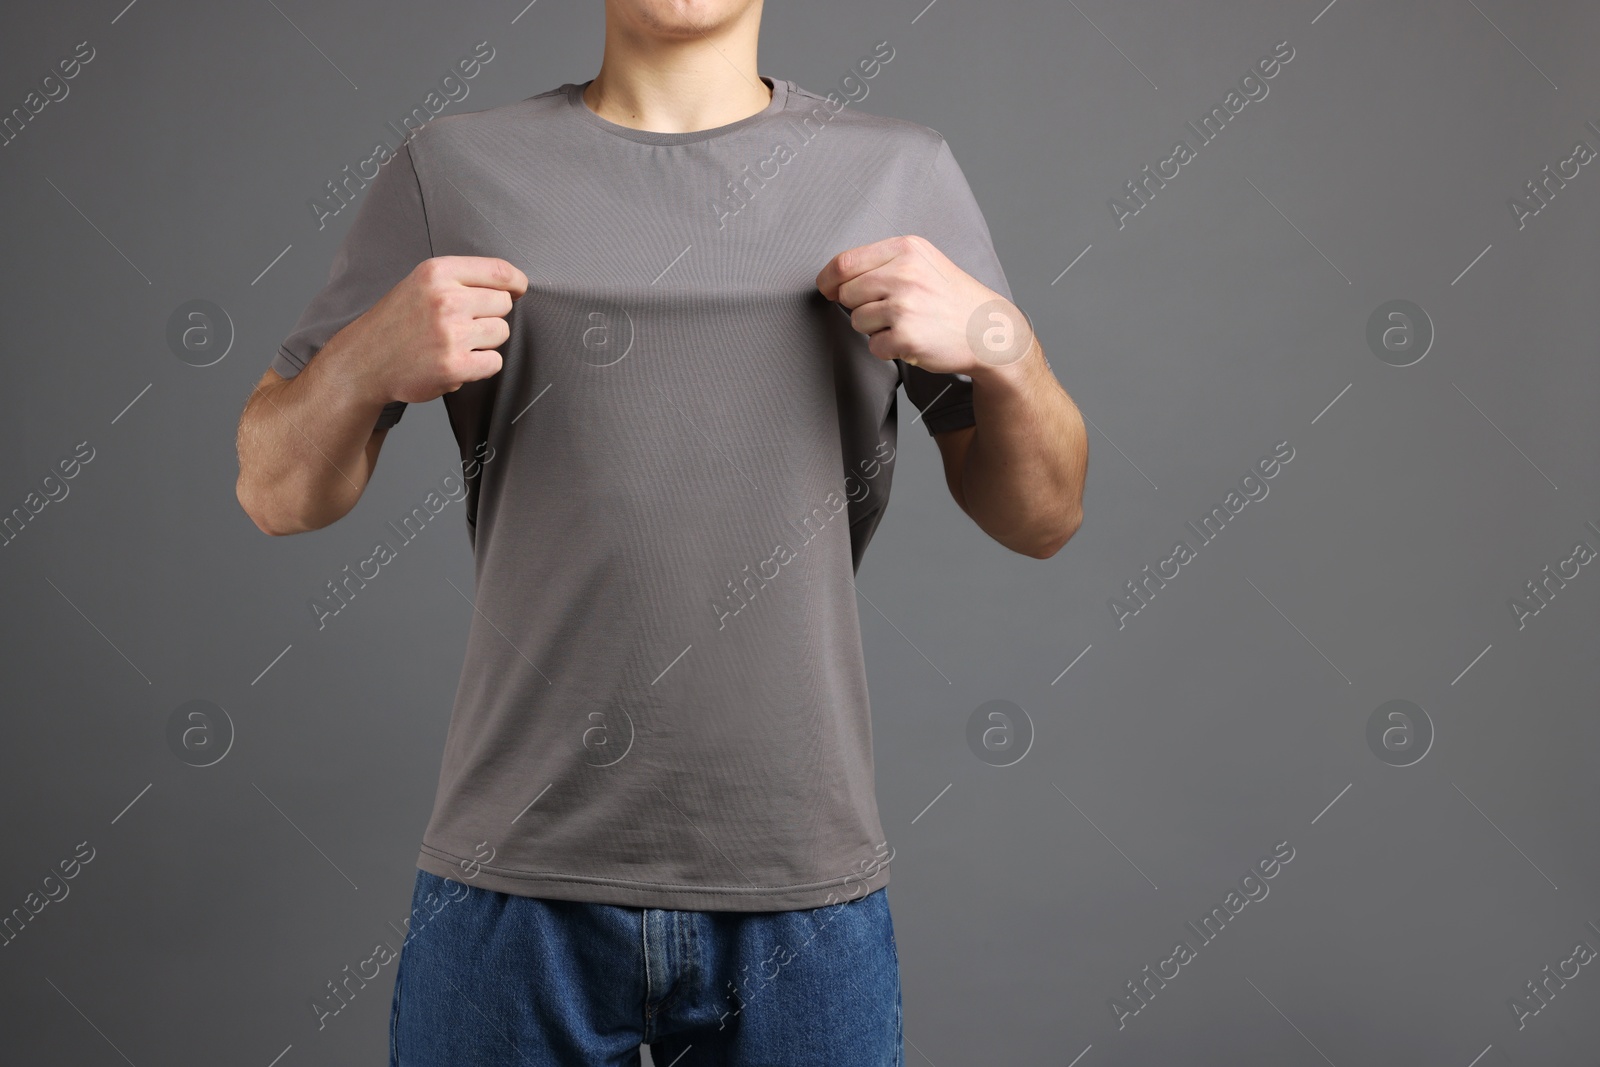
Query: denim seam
{"x": 394, "y": 1010}
{"x": 644, "y": 944}
{"x": 679, "y": 977}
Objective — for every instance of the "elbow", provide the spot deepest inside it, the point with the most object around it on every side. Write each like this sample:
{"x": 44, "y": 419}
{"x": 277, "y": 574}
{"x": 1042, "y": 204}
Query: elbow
{"x": 263, "y": 521}
{"x": 1058, "y": 541}
{"x": 269, "y": 523}
{"x": 271, "y": 530}
{"x": 1045, "y": 551}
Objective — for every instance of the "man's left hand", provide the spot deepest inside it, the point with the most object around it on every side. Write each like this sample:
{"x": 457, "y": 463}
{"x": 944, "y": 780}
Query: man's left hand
{"x": 915, "y": 305}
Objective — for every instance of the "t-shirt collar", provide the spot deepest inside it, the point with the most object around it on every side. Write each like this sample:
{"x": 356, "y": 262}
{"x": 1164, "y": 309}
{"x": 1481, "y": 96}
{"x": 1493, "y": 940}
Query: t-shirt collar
{"x": 581, "y": 109}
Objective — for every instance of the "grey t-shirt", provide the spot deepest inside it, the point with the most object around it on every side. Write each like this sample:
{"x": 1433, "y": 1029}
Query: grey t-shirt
{"x": 675, "y": 475}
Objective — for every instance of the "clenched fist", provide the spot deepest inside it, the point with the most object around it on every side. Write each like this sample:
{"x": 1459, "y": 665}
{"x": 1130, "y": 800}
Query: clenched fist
{"x": 435, "y": 331}
{"x": 915, "y": 305}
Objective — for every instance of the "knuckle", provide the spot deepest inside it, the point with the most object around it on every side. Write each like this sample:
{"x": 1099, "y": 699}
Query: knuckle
{"x": 441, "y": 301}
{"x": 441, "y": 337}
{"x": 915, "y": 276}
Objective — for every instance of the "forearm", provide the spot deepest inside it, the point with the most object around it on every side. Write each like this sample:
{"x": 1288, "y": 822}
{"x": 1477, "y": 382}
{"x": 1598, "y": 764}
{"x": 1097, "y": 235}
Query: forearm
{"x": 1022, "y": 479}
{"x": 306, "y": 447}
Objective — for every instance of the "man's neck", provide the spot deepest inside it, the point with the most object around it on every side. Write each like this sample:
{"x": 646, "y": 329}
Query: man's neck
{"x": 679, "y": 84}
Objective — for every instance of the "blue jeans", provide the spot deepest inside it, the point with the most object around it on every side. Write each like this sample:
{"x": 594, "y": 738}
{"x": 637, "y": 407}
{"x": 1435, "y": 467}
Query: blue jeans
{"x": 495, "y": 980}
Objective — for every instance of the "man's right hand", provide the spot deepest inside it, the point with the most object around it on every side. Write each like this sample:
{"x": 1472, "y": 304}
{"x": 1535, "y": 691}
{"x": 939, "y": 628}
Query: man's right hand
{"x": 433, "y": 332}
{"x": 307, "y": 445}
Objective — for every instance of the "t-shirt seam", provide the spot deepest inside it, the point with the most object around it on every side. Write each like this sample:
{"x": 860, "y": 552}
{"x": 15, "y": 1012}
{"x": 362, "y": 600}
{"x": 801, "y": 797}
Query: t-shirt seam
{"x": 573, "y": 101}
{"x": 422, "y": 201}
{"x": 668, "y": 887}
{"x": 394, "y": 409}
{"x": 933, "y": 412}
{"x": 291, "y": 357}
{"x": 927, "y": 177}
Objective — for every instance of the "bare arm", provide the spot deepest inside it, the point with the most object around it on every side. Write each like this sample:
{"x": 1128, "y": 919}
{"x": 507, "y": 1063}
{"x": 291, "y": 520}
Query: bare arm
{"x": 1019, "y": 472}
{"x": 306, "y": 448}
{"x": 307, "y": 445}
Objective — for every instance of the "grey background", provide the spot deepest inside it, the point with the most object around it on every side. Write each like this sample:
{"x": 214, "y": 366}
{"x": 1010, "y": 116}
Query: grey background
{"x": 1228, "y": 716}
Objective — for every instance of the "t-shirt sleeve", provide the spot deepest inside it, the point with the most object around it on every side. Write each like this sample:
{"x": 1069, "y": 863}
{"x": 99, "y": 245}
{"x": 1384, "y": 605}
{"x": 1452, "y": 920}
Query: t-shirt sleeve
{"x": 387, "y": 239}
{"x": 947, "y": 214}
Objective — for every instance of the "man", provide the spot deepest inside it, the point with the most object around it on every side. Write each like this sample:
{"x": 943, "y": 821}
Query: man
{"x": 668, "y": 310}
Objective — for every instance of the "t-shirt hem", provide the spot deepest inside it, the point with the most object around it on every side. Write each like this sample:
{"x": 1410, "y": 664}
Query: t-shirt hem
{"x": 649, "y": 894}
{"x": 955, "y": 417}
{"x": 287, "y": 364}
